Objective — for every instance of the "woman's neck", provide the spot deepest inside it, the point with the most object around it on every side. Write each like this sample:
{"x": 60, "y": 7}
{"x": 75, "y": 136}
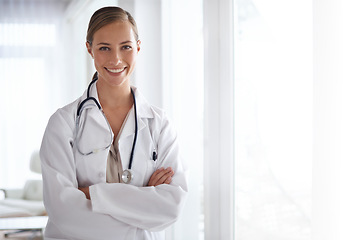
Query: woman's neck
{"x": 114, "y": 97}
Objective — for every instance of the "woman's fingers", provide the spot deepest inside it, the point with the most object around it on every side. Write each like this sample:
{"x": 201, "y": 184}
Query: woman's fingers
{"x": 166, "y": 177}
{"x": 156, "y": 176}
{"x": 161, "y": 176}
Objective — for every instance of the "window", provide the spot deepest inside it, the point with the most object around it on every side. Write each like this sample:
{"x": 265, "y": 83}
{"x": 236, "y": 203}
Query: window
{"x": 33, "y": 81}
{"x": 27, "y": 34}
{"x": 24, "y": 69}
{"x": 273, "y": 119}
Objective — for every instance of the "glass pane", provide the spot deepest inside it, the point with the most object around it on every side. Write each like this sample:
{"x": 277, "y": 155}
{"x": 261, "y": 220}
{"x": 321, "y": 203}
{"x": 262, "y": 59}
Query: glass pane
{"x": 273, "y": 119}
{"x": 26, "y": 34}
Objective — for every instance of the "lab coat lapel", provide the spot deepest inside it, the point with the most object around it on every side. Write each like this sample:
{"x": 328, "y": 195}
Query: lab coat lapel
{"x": 96, "y": 132}
{"x": 143, "y": 112}
{"x": 129, "y": 128}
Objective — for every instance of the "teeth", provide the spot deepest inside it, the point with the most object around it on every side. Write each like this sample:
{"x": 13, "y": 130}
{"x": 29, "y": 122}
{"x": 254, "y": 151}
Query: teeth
{"x": 115, "y": 70}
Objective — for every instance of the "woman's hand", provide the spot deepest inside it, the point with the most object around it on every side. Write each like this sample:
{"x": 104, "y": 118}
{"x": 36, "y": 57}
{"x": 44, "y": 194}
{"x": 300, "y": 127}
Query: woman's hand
{"x": 85, "y": 190}
{"x": 161, "y": 176}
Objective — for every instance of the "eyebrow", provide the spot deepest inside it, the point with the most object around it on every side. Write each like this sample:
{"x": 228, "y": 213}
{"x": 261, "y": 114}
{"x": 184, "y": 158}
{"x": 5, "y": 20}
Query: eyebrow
{"x": 107, "y": 44}
{"x": 128, "y": 41}
{"x": 101, "y": 43}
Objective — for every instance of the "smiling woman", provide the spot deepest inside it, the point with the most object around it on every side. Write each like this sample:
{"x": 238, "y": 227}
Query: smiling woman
{"x": 93, "y": 183}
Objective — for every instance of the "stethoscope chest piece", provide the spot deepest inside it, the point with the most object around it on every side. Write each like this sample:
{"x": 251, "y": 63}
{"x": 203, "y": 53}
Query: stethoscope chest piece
{"x": 127, "y": 176}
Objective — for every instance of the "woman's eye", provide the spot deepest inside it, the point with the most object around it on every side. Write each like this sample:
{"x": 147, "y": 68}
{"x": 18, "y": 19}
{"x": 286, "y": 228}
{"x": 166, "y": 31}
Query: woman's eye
{"x": 104, "y": 49}
{"x": 127, "y": 47}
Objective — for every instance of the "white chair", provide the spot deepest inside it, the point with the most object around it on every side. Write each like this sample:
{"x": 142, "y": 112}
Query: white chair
{"x": 27, "y": 201}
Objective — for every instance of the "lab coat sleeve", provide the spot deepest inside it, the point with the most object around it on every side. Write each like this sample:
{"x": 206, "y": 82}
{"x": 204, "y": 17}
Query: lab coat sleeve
{"x": 149, "y": 208}
{"x": 68, "y": 209}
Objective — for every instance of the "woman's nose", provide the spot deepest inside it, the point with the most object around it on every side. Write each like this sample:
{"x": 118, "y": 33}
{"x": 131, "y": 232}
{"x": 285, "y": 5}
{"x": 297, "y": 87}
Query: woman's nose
{"x": 116, "y": 58}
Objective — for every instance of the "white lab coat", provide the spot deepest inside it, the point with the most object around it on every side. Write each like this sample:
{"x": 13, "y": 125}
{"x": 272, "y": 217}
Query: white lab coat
{"x": 115, "y": 211}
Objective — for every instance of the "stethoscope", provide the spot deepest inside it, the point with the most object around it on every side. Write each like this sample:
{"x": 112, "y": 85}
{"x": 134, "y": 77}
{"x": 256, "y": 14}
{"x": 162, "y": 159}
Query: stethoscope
{"x": 127, "y": 174}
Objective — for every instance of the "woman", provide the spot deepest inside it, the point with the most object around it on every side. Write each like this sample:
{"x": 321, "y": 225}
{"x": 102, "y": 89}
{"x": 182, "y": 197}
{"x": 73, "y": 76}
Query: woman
{"x": 110, "y": 161}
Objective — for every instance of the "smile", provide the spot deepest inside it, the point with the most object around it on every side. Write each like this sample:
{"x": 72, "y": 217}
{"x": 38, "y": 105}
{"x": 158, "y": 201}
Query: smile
{"x": 116, "y": 70}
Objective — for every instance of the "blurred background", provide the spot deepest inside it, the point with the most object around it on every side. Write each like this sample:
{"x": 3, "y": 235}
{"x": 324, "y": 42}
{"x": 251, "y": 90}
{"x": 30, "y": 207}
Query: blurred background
{"x": 271, "y": 79}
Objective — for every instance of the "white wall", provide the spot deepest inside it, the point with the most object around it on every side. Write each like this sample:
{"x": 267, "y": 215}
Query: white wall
{"x": 148, "y": 73}
{"x": 328, "y": 120}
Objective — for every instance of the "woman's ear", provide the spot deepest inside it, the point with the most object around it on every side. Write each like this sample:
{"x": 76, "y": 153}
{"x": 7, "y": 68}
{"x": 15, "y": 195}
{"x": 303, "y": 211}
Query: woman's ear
{"x": 89, "y": 49}
{"x": 138, "y": 45}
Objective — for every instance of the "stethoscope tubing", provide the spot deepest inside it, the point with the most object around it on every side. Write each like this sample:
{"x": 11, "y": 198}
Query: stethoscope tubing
{"x": 95, "y": 78}
{"x": 136, "y": 129}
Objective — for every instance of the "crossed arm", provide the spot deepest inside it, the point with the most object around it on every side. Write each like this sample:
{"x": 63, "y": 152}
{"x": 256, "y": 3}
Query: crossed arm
{"x": 160, "y": 176}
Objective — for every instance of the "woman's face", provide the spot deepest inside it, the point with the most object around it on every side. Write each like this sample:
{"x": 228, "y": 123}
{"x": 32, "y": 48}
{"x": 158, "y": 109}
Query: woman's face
{"x": 114, "y": 50}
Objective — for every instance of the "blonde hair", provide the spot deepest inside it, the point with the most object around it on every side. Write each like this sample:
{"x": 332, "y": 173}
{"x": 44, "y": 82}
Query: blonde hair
{"x": 108, "y": 15}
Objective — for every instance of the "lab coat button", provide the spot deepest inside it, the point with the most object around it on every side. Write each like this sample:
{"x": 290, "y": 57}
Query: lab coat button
{"x": 101, "y": 174}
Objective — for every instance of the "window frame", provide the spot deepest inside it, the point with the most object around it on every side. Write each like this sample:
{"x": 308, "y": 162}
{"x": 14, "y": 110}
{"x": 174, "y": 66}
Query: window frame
{"x": 218, "y": 115}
